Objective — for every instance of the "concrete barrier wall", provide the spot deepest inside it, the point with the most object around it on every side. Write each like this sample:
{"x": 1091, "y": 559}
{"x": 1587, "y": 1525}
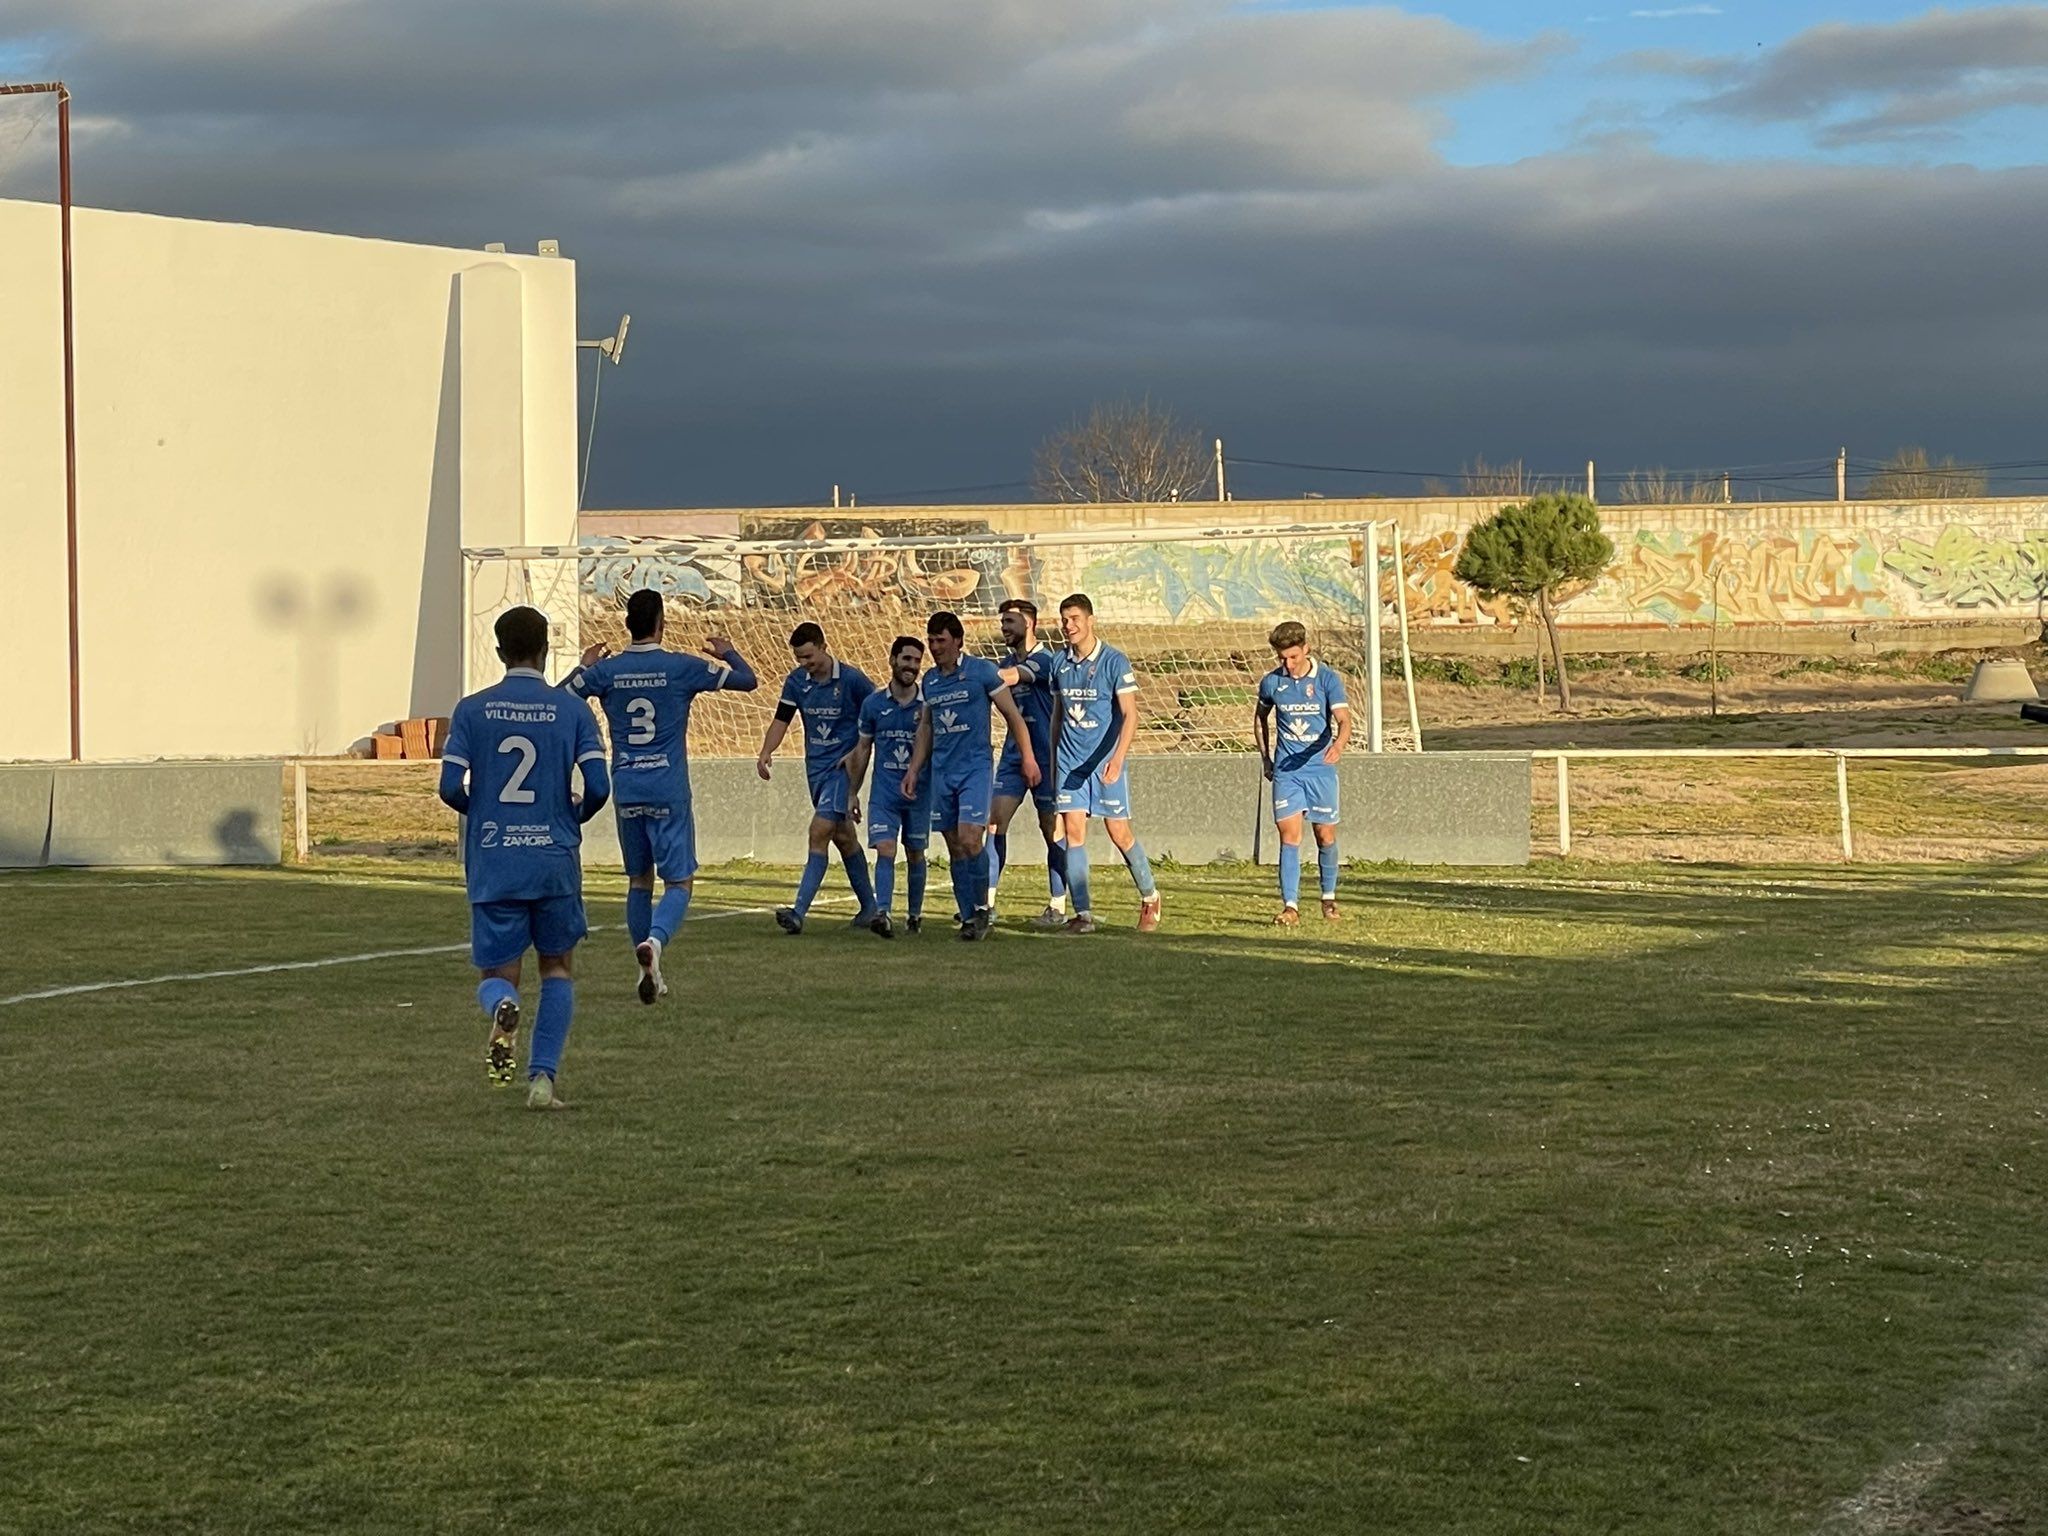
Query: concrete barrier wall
{"x": 1471, "y": 809}
{"x": 141, "y": 814}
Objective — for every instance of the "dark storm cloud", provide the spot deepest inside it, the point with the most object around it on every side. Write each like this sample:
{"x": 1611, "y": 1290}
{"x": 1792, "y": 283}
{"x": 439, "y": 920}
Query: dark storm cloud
{"x": 891, "y": 243}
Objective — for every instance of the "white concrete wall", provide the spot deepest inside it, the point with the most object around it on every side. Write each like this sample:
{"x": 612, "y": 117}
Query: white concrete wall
{"x": 284, "y": 441}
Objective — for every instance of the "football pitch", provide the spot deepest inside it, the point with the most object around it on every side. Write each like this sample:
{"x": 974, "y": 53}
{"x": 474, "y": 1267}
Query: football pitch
{"x": 1553, "y": 1200}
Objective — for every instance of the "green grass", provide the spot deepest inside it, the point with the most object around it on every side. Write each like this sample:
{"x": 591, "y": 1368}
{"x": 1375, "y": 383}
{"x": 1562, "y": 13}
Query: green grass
{"x": 1562, "y": 1201}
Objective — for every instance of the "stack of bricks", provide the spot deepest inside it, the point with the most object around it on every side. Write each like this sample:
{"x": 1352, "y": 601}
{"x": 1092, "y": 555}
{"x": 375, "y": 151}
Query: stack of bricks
{"x": 413, "y": 741}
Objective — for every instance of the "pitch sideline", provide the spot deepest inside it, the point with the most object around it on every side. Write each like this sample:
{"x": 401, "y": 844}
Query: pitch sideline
{"x": 83, "y": 988}
{"x": 1893, "y": 1498}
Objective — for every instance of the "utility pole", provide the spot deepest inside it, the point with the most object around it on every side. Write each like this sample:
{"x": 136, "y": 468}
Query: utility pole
{"x": 1220, "y": 496}
{"x": 58, "y": 89}
{"x": 1842, "y": 475}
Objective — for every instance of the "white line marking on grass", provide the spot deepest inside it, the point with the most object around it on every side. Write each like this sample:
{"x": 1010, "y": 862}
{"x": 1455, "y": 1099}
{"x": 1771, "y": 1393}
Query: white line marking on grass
{"x": 306, "y": 965}
{"x": 1892, "y": 1499}
{"x": 59, "y": 884}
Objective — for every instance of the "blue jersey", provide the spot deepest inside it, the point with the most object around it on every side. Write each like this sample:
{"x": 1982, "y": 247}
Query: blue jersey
{"x": 957, "y": 703}
{"x": 892, "y": 727}
{"x": 520, "y": 741}
{"x": 1307, "y": 707}
{"x": 1089, "y": 691}
{"x": 646, "y": 692}
{"x": 831, "y": 711}
{"x": 1033, "y": 693}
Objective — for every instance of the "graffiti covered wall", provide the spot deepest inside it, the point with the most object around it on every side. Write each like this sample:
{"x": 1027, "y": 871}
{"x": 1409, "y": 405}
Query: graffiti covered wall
{"x": 1791, "y": 563}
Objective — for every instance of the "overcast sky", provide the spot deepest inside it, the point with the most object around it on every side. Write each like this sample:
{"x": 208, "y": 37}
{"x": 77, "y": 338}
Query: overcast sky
{"x": 891, "y": 243}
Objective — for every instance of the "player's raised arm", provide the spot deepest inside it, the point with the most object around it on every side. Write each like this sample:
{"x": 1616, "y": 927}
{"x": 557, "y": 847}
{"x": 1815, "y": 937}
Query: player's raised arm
{"x": 582, "y": 681}
{"x": 1020, "y": 733}
{"x": 738, "y": 677}
{"x": 920, "y": 754}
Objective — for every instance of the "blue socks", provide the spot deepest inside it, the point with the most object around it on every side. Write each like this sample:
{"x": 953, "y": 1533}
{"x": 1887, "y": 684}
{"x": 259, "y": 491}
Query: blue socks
{"x": 917, "y": 875}
{"x": 978, "y": 876}
{"x": 1077, "y": 878}
{"x": 551, "y": 1027}
{"x": 1290, "y": 874}
{"x": 639, "y": 912}
{"x": 1326, "y": 862}
{"x": 807, "y": 888}
{"x": 493, "y": 990}
{"x": 998, "y": 848}
{"x": 962, "y": 871}
{"x": 885, "y": 880}
{"x": 668, "y": 917}
{"x": 1141, "y": 870}
{"x": 857, "y": 877}
{"x": 1056, "y": 869}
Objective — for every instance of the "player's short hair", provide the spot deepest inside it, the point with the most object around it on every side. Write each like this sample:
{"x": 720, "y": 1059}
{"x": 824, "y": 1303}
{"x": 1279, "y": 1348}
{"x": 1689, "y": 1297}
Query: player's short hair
{"x": 944, "y": 623}
{"x": 806, "y": 633}
{"x": 1287, "y": 635}
{"x": 1022, "y": 605}
{"x": 522, "y": 634}
{"x": 1076, "y": 600}
{"x": 901, "y": 641}
{"x": 643, "y": 613}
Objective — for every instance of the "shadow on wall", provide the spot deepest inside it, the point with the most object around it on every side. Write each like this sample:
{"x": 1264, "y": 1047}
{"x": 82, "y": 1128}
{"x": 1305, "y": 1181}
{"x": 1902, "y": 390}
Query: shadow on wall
{"x": 318, "y": 623}
{"x": 239, "y": 839}
{"x": 27, "y": 800}
{"x": 437, "y": 680}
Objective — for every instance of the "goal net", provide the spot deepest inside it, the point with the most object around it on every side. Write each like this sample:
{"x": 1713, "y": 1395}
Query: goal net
{"x": 1190, "y": 607}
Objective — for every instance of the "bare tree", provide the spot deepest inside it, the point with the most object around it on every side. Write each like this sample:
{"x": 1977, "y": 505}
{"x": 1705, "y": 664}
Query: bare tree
{"x": 1481, "y": 479}
{"x": 1661, "y": 488}
{"x": 1124, "y": 451}
{"x": 1908, "y": 476}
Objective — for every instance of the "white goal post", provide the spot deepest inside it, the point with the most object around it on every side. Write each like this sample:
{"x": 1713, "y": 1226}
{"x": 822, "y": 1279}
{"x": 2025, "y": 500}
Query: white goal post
{"x": 1190, "y": 606}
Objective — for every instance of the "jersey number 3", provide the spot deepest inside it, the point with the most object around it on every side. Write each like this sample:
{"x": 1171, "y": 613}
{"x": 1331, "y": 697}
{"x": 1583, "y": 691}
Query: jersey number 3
{"x": 641, "y": 713}
{"x": 515, "y": 791}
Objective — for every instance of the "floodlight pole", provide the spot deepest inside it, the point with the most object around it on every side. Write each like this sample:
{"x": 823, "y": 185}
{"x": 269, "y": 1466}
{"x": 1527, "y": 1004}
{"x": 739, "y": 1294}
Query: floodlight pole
{"x": 57, "y": 88}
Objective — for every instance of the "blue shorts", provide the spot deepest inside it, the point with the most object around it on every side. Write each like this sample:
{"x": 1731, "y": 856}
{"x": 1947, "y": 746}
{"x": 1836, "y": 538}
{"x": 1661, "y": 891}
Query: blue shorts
{"x": 1010, "y": 783}
{"x": 892, "y": 819}
{"x": 1081, "y": 788}
{"x": 1310, "y": 791}
{"x": 960, "y": 798}
{"x": 662, "y": 838}
{"x": 831, "y": 792}
{"x": 501, "y": 931}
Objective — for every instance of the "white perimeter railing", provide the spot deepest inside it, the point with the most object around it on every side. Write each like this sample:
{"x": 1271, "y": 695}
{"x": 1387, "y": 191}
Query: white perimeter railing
{"x": 1564, "y": 759}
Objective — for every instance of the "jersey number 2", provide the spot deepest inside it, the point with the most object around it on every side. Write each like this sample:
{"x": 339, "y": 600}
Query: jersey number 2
{"x": 641, "y": 713}
{"x": 515, "y": 791}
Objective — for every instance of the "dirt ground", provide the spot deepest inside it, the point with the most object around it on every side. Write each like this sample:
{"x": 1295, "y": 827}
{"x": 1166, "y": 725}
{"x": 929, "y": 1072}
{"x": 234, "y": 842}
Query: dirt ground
{"x": 1774, "y": 701}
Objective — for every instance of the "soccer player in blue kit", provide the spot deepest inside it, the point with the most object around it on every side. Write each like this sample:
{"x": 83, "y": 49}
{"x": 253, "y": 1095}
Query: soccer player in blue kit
{"x": 1314, "y": 725}
{"x": 1027, "y": 670}
{"x": 954, "y": 737}
{"x": 518, "y": 744}
{"x": 828, "y": 693}
{"x": 646, "y": 692}
{"x": 1096, "y": 693}
{"x": 888, "y": 731}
